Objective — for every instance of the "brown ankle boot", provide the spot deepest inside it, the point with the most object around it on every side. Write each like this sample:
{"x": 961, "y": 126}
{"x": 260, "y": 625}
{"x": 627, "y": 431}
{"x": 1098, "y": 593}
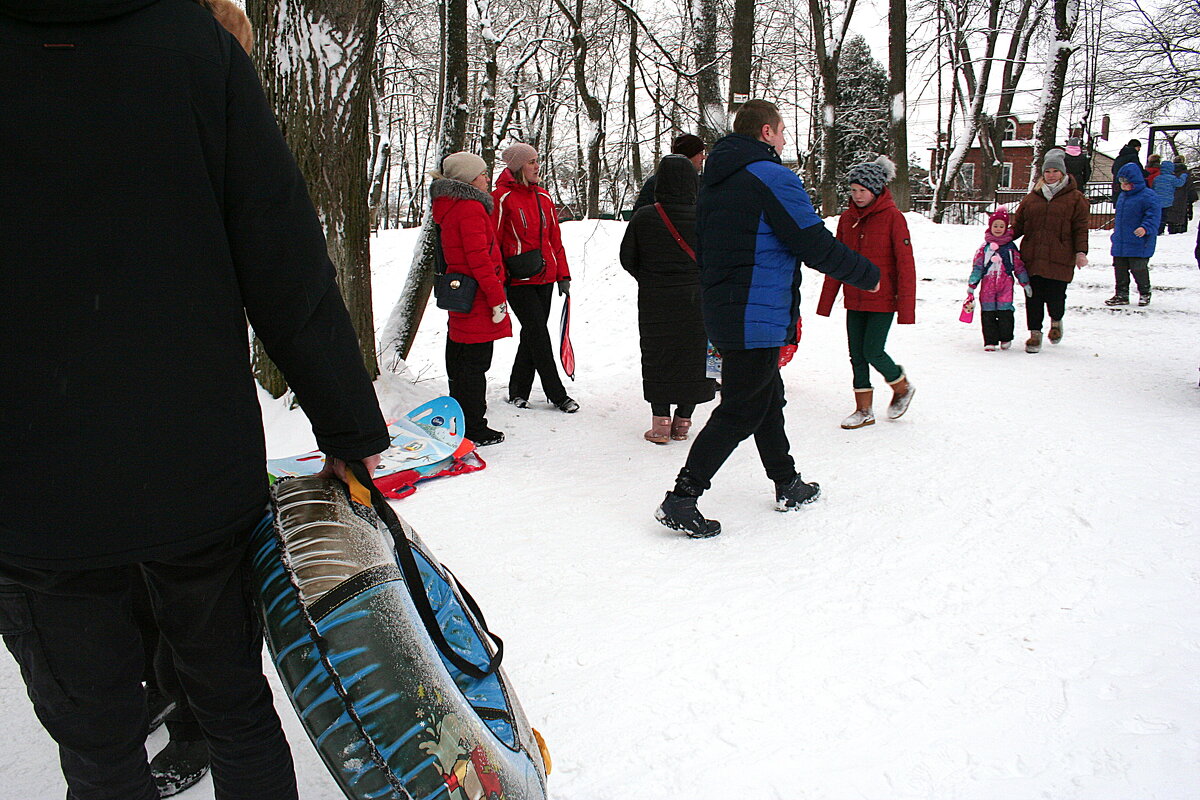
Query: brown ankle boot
{"x": 660, "y": 430}
{"x": 679, "y": 428}
{"x": 863, "y": 415}
{"x": 902, "y": 394}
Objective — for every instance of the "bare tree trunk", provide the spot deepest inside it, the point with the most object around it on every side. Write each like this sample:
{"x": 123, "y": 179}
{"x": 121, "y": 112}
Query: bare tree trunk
{"x": 713, "y": 123}
{"x": 591, "y": 105}
{"x": 491, "y": 79}
{"x": 635, "y": 146}
{"x": 405, "y": 319}
{"x": 321, "y": 97}
{"x": 898, "y": 91}
{"x": 1066, "y": 17}
{"x": 741, "y": 54}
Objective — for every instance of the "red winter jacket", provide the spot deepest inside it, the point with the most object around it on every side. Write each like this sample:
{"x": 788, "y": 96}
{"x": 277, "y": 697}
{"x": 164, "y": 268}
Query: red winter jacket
{"x": 517, "y": 222}
{"x": 470, "y": 247}
{"x": 880, "y": 233}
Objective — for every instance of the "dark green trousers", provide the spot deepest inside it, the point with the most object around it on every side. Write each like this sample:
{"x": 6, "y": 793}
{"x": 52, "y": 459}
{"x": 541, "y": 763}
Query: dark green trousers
{"x": 867, "y": 333}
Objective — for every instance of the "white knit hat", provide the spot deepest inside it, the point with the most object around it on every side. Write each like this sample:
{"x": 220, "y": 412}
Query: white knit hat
{"x": 517, "y": 156}
{"x": 463, "y": 166}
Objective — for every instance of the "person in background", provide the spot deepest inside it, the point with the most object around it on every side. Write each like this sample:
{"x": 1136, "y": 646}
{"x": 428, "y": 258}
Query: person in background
{"x": 146, "y": 127}
{"x": 1135, "y": 228}
{"x": 1052, "y": 224}
{"x": 1079, "y": 165}
{"x": 873, "y": 227}
{"x": 756, "y": 227}
{"x": 1180, "y": 213}
{"x": 1129, "y": 154}
{"x": 658, "y": 250}
{"x": 993, "y": 269}
{"x": 1165, "y": 186}
{"x": 1153, "y": 169}
{"x": 462, "y": 209}
{"x": 690, "y": 147}
{"x": 527, "y": 228}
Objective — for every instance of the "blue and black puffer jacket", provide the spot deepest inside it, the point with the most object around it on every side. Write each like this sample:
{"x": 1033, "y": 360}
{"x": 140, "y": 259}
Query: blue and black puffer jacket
{"x": 755, "y": 226}
{"x": 1136, "y": 208}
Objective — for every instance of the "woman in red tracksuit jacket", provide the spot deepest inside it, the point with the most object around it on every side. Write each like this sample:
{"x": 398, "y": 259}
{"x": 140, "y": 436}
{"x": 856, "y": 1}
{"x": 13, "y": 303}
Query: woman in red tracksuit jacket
{"x": 526, "y": 221}
{"x": 874, "y": 227}
{"x": 462, "y": 210}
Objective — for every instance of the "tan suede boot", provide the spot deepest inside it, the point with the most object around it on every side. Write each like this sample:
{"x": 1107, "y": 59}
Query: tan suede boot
{"x": 863, "y": 415}
{"x": 679, "y": 428}
{"x": 1034, "y": 343}
{"x": 902, "y": 395}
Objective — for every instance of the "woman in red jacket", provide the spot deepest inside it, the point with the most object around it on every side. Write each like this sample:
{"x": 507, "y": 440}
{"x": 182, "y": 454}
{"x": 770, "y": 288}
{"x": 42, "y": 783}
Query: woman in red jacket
{"x": 462, "y": 210}
{"x": 874, "y": 227}
{"x": 527, "y": 225}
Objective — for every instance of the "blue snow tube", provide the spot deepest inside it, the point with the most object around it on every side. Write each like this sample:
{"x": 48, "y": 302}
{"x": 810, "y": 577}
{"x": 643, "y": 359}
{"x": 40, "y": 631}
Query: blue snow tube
{"x": 386, "y": 659}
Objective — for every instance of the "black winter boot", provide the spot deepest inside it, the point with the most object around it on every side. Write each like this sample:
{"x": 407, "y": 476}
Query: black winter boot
{"x": 679, "y": 513}
{"x": 178, "y": 766}
{"x": 795, "y": 493}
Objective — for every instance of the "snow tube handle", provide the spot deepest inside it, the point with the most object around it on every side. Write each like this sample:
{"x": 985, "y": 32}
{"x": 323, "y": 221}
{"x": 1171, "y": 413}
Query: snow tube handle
{"x": 358, "y": 477}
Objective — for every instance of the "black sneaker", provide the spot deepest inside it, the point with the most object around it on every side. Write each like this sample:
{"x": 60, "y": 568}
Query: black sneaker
{"x": 567, "y": 405}
{"x": 790, "y": 496}
{"x": 159, "y": 705}
{"x": 1144, "y": 300}
{"x": 1117, "y": 300}
{"x": 519, "y": 402}
{"x": 679, "y": 513}
{"x": 486, "y": 437}
{"x": 179, "y": 766}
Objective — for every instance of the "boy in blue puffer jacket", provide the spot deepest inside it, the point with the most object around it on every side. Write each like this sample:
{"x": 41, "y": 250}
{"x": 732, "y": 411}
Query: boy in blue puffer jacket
{"x": 1135, "y": 231}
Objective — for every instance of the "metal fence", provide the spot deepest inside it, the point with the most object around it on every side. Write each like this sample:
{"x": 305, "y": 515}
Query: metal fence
{"x": 964, "y": 209}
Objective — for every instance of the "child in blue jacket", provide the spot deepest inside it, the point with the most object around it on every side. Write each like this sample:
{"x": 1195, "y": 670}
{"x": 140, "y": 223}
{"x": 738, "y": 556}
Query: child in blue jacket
{"x": 1135, "y": 231}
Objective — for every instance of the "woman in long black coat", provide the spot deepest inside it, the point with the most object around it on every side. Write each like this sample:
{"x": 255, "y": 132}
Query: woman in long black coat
{"x": 669, "y": 319}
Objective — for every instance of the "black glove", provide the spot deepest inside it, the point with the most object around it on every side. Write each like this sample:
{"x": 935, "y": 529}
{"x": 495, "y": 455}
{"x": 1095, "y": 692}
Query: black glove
{"x": 564, "y": 286}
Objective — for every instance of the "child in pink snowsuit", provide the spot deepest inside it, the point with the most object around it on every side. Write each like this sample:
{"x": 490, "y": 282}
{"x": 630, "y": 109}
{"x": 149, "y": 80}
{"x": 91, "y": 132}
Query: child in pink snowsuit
{"x": 995, "y": 264}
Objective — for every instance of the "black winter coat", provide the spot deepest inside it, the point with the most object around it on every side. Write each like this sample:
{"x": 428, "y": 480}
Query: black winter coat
{"x": 149, "y": 207}
{"x": 1080, "y": 168}
{"x": 669, "y": 320}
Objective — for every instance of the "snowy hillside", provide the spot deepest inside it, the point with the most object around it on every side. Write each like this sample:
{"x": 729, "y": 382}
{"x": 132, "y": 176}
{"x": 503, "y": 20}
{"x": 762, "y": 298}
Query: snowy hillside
{"x": 996, "y": 598}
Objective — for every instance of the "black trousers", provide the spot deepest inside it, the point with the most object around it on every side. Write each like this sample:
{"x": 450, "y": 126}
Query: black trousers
{"x": 1049, "y": 296}
{"x": 1140, "y": 267}
{"x": 74, "y": 636}
{"x": 466, "y": 373}
{"x": 159, "y": 670}
{"x": 997, "y": 326}
{"x": 664, "y": 410}
{"x": 752, "y": 404}
{"x": 535, "y": 351}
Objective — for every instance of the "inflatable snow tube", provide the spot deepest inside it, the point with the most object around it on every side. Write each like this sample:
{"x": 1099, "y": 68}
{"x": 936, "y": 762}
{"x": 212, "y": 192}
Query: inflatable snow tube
{"x": 398, "y": 686}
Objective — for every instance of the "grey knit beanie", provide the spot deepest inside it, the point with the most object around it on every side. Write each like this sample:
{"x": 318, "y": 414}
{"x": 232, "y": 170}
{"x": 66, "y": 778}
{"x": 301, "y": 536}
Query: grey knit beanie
{"x": 517, "y": 156}
{"x": 873, "y": 175}
{"x": 1055, "y": 159}
{"x": 464, "y": 167}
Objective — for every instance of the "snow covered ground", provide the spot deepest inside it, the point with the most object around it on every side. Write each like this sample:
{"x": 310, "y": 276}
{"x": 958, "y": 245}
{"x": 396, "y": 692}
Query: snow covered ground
{"x": 997, "y": 596}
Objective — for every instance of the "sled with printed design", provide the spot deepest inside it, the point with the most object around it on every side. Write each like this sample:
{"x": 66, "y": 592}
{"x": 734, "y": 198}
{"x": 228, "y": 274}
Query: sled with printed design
{"x": 427, "y": 443}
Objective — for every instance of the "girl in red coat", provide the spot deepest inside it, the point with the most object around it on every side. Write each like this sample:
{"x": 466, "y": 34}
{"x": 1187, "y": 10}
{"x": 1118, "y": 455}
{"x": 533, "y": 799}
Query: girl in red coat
{"x": 874, "y": 227}
{"x": 527, "y": 225}
{"x": 462, "y": 210}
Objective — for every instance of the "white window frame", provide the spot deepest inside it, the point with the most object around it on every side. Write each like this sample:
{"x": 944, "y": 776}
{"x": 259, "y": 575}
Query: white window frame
{"x": 1010, "y": 129}
{"x": 1006, "y": 182}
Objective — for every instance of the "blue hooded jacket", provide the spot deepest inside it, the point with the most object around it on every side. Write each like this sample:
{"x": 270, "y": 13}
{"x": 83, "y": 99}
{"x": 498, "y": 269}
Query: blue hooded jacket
{"x": 1136, "y": 208}
{"x": 755, "y": 226}
{"x": 1166, "y": 183}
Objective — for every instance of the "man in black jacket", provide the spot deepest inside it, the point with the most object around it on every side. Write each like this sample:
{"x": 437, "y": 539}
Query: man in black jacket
{"x": 755, "y": 226}
{"x": 150, "y": 206}
{"x": 686, "y": 145}
{"x": 1129, "y": 154}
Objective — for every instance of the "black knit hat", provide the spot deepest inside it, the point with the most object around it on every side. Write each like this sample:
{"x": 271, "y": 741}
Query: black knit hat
{"x": 687, "y": 145}
{"x": 873, "y": 175}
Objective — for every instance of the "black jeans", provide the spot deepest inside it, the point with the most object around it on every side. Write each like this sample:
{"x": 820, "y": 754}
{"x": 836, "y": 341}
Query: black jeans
{"x": 159, "y": 671}
{"x": 1048, "y": 295}
{"x": 535, "y": 352}
{"x": 997, "y": 326}
{"x": 75, "y": 639}
{"x": 752, "y": 404}
{"x": 1140, "y": 267}
{"x": 466, "y": 373}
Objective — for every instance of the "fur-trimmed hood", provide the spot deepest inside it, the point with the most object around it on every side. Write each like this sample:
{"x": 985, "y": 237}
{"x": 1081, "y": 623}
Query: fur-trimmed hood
{"x": 448, "y": 187}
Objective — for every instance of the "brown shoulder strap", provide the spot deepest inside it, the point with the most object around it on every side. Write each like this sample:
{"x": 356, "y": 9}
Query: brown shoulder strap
{"x": 671, "y": 229}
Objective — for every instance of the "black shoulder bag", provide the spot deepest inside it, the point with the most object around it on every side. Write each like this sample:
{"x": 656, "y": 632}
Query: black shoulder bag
{"x": 454, "y": 291}
{"x": 529, "y": 264}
